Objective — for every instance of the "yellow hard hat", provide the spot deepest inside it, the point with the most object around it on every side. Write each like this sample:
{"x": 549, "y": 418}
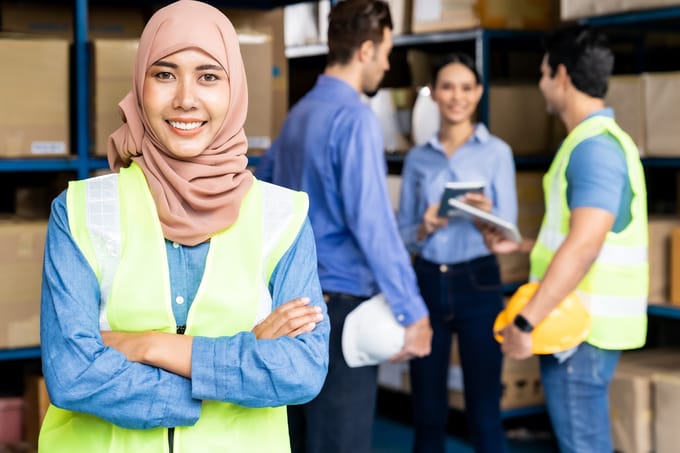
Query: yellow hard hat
{"x": 565, "y": 327}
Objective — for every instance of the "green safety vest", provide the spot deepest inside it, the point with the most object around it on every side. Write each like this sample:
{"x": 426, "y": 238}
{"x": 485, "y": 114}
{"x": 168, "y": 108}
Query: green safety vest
{"x": 114, "y": 222}
{"x": 615, "y": 289}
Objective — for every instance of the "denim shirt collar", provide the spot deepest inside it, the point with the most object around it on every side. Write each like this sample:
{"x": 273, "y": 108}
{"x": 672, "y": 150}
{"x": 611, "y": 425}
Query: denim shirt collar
{"x": 480, "y": 135}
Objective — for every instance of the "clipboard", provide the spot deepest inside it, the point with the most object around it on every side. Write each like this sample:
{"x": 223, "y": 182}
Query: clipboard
{"x": 453, "y": 190}
{"x": 508, "y": 229}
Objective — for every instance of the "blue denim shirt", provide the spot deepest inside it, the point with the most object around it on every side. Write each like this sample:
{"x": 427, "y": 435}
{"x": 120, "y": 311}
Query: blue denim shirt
{"x": 84, "y": 375}
{"x": 426, "y": 171}
{"x": 331, "y": 147}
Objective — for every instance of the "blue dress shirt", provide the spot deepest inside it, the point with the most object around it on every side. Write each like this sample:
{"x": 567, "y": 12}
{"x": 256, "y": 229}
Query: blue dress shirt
{"x": 426, "y": 171}
{"x": 331, "y": 147}
{"x": 84, "y": 375}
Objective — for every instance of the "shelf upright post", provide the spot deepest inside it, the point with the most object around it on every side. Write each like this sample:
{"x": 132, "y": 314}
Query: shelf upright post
{"x": 482, "y": 63}
{"x": 81, "y": 69}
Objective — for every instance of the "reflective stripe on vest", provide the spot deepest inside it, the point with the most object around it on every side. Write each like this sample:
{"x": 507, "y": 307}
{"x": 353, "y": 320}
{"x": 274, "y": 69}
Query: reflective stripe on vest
{"x": 615, "y": 288}
{"x": 233, "y": 290}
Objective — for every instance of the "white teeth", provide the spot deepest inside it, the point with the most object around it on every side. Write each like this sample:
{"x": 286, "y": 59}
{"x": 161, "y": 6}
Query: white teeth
{"x": 185, "y": 126}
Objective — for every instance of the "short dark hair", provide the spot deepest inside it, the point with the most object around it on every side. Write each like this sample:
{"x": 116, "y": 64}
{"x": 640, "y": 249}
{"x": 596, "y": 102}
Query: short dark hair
{"x": 352, "y": 22}
{"x": 585, "y": 54}
{"x": 454, "y": 57}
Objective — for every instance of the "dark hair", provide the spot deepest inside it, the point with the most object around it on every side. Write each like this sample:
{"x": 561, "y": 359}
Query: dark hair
{"x": 455, "y": 57}
{"x": 351, "y": 23}
{"x": 585, "y": 54}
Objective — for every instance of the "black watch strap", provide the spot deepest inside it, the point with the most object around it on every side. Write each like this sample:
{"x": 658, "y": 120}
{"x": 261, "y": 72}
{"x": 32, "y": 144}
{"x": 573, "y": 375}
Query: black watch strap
{"x": 523, "y": 324}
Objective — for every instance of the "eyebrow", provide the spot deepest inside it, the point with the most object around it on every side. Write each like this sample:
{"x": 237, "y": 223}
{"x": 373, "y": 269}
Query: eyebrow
{"x": 203, "y": 67}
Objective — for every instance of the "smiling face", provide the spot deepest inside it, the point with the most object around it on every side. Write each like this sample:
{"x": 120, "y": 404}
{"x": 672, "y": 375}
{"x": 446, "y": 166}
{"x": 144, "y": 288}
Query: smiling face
{"x": 456, "y": 93}
{"x": 186, "y": 100}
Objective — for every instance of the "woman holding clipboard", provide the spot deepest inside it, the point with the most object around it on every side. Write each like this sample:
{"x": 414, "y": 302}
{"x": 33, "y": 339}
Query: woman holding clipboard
{"x": 458, "y": 276}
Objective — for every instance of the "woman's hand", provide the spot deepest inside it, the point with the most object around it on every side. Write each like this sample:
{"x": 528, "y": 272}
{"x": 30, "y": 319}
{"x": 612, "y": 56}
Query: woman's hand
{"x": 478, "y": 200}
{"x": 290, "y": 319}
{"x": 431, "y": 222}
{"x": 133, "y": 345}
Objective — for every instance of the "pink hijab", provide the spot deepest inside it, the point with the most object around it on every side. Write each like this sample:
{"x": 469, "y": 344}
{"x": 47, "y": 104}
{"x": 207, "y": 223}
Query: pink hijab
{"x": 194, "y": 198}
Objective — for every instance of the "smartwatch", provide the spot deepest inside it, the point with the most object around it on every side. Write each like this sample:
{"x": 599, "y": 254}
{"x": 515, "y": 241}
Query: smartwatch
{"x": 523, "y": 324}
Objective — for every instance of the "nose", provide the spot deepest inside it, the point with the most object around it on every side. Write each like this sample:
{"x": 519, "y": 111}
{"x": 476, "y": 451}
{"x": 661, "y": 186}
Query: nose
{"x": 184, "y": 95}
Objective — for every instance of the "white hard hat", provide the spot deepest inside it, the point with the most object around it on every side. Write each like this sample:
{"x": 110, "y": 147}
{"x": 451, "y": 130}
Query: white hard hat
{"x": 371, "y": 333}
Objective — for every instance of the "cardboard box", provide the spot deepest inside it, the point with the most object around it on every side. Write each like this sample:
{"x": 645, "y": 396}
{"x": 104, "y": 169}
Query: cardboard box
{"x": 112, "y": 66}
{"x": 660, "y": 229}
{"x": 34, "y": 119}
{"x": 631, "y": 397}
{"x": 57, "y": 20}
{"x": 270, "y": 22}
{"x": 662, "y": 115}
{"x": 520, "y": 380}
{"x": 518, "y": 115}
{"x": 21, "y": 262}
{"x": 625, "y": 95}
{"x": 256, "y": 50}
{"x": 531, "y": 207}
{"x": 444, "y": 15}
{"x": 667, "y": 407}
{"x": 394, "y": 190}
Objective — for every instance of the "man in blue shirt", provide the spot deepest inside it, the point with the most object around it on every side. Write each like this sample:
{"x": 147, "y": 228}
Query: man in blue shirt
{"x": 331, "y": 147}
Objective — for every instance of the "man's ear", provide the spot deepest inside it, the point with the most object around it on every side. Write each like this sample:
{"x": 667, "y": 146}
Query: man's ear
{"x": 562, "y": 75}
{"x": 366, "y": 51}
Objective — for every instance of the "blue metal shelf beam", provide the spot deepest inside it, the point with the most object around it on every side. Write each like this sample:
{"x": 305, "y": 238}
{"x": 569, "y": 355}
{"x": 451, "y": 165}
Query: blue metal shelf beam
{"x": 82, "y": 78}
{"x": 635, "y": 17}
{"x": 665, "y": 311}
{"x": 20, "y": 353}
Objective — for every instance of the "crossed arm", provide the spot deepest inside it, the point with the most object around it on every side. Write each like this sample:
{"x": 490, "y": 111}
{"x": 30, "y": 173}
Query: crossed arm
{"x": 172, "y": 352}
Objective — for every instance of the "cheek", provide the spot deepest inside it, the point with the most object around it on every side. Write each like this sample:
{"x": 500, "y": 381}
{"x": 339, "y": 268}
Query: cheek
{"x": 151, "y": 99}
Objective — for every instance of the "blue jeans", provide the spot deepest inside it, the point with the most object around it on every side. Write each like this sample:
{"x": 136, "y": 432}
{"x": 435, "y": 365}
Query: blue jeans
{"x": 340, "y": 418}
{"x": 576, "y": 393}
{"x": 462, "y": 298}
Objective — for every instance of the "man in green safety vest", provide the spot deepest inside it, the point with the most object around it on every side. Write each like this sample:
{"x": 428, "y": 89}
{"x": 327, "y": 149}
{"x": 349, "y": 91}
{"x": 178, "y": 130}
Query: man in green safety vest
{"x": 593, "y": 240}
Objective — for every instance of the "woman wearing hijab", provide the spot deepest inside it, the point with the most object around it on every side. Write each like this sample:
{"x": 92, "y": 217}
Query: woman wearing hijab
{"x": 181, "y": 309}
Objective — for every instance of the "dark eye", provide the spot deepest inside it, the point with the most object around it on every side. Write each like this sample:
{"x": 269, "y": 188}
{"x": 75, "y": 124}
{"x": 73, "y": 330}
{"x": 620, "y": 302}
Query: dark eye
{"x": 164, "y": 75}
{"x": 210, "y": 77}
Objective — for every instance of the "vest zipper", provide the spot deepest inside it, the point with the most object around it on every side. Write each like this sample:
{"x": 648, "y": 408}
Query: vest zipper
{"x": 171, "y": 431}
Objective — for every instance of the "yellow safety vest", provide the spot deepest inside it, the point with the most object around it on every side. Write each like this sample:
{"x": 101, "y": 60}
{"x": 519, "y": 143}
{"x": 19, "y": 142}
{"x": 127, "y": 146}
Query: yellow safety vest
{"x": 113, "y": 220}
{"x": 615, "y": 289}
